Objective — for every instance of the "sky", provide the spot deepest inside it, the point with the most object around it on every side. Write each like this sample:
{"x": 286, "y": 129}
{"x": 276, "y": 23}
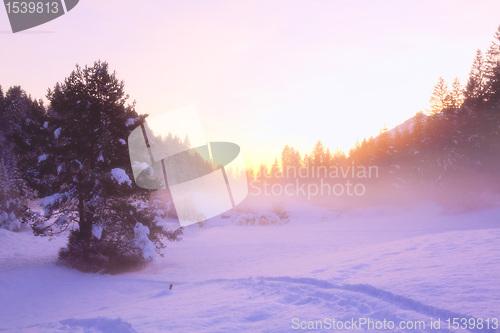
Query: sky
{"x": 263, "y": 73}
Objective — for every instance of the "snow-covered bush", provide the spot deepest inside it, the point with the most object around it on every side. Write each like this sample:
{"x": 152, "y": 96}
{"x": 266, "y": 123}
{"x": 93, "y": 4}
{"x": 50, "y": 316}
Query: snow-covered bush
{"x": 9, "y": 221}
{"x": 260, "y": 219}
{"x": 280, "y": 212}
{"x": 276, "y": 215}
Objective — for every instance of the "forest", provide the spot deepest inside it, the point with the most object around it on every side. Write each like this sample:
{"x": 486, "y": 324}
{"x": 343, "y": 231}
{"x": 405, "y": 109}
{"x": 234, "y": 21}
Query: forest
{"x": 71, "y": 157}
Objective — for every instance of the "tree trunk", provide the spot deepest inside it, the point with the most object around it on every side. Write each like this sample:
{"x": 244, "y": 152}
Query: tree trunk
{"x": 85, "y": 223}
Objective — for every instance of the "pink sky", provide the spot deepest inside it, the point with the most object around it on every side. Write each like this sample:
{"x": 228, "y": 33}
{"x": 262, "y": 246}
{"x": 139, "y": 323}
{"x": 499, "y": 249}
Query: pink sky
{"x": 263, "y": 73}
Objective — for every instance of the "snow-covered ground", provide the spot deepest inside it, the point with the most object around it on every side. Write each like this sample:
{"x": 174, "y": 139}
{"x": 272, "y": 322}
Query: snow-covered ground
{"x": 399, "y": 264}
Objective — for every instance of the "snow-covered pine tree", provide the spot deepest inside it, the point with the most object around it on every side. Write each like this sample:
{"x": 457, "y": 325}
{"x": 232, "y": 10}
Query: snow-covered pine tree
{"x": 13, "y": 188}
{"x": 12, "y": 202}
{"x": 29, "y": 140}
{"x": 16, "y": 106}
{"x": 88, "y": 166}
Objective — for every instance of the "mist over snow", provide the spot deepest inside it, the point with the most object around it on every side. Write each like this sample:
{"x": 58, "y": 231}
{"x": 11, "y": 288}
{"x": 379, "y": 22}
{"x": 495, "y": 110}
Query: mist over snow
{"x": 399, "y": 263}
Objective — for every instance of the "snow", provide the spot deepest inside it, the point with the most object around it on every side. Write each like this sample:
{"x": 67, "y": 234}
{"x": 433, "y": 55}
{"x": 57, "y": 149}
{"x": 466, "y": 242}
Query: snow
{"x": 62, "y": 220}
{"x": 393, "y": 263}
{"x": 9, "y": 221}
{"x": 97, "y": 231}
{"x": 122, "y": 141}
{"x": 130, "y": 122}
{"x": 46, "y": 124}
{"x": 142, "y": 241}
{"x": 57, "y": 132}
{"x": 120, "y": 176}
{"x": 406, "y": 126}
{"x": 42, "y": 157}
{"x": 59, "y": 168}
{"x": 49, "y": 202}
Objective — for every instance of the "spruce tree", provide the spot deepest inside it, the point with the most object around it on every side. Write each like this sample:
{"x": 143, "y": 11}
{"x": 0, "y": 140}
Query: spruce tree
{"x": 88, "y": 170}
{"x": 295, "y": 159}
{"x": 286, "y": 158}
{"x": 275, "y": 168}
{"x": 339, "y": 156}
{"x": 328, "y": 158}
{"x": 440, "y": 98}
{"x": 14, "y": 192}
{"x": 493, "y": 72}
{"x": 2, "y": 101}
{"x": 30, "y": 140}
{"x": 318, "y": 154}
{"x": 475, "y": 88}
{"x": 16, "y": 104}
{"x": 22, "y": 122}
{"x": 456, "y": 94}
{"x": 13, "y": 203}
{"x": 384, "y": 143}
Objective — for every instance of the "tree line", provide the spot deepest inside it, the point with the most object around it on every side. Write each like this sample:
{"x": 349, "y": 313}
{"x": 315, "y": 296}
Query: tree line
{"x": 457, "y": 137}
{"x": 72, "y": 157}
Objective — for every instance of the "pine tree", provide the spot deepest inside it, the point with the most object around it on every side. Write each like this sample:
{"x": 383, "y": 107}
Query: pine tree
{"x": 328, "y": 158}
{"x": 275, "y": 168}
{"x": 384, "y": 143}
{"x": 2, "y": 101}
{"x": 307, "y": 161}
{"x": 88, "y": 169}
{"x": 290, "y": 158}
{"x": 318, "y": 154}
{"x": 286, "y": 158}
{"x": 2, "y": 113}
{"x": 339, "y": 157}
{"x": 400, "y": 142}
{"x": 493, "y": 72}
{"x": 456, "y": 94}
{"x": 13, "y": 209}
{"x": 440, "y": 98}
{"x": 295, "y": 159}
{"x": 14, "y": 192}
{"x": 22, "y": 122}
{"x": 418, "y": 129}
{"x": 17, "y": 104}
{"x": 262, "y": 173}
{"x": 354, "y": 152}
{"x": 29, "y": 141}
{"x": 475, "y": 88}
